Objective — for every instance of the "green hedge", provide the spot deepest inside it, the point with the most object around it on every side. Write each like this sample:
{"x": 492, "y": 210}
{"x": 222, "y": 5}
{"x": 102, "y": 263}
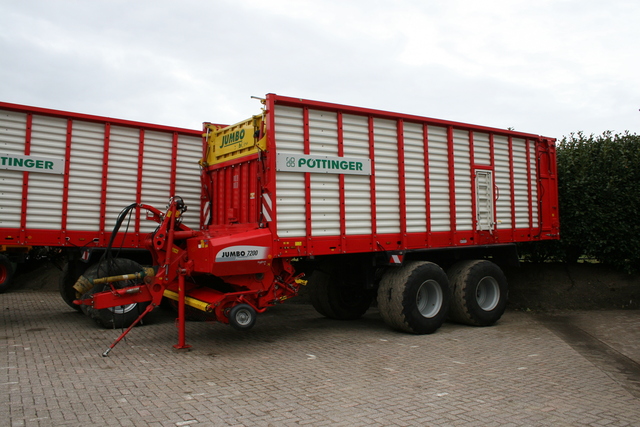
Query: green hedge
{"x": 599, "y": 191}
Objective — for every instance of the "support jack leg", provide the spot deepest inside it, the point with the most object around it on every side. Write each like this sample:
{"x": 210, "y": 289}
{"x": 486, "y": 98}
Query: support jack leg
{"x": 144, "y": 313}
{"x": 181, "y": 315}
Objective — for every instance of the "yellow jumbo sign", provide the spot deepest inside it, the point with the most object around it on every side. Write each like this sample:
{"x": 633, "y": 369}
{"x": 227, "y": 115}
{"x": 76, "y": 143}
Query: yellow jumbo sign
{"x": 234, "y": 141}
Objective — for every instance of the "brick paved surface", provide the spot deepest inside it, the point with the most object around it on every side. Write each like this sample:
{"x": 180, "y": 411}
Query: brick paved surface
{"x": 297, "y": 368}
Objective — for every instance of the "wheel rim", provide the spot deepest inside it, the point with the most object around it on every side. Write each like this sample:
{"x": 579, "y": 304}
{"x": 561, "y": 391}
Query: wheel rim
{"x": 429, "y": 298}
{"x": 122, "y": 309}
{"x": 488, "y": 293}
{"x": 243, "y": 317}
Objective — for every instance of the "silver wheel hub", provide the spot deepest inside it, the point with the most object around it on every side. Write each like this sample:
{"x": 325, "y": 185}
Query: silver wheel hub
{"x": 429, "y": 298}
{"x": 122, "y": 309}
{"x": 243, "y": 317}
{"x": 488, "y": 293}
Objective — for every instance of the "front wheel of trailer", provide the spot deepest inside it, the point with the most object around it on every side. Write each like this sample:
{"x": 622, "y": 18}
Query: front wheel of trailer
{"x": 479, "y": 292}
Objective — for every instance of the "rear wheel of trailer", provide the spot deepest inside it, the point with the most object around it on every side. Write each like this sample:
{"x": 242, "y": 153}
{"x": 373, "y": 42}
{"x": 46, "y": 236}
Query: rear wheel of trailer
{"x": 479, "y": 292}
{"x": 415, "y": 297}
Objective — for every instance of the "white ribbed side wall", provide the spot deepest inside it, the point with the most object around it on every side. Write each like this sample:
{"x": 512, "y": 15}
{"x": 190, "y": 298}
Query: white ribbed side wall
{"x": 122, "y": 175}
{"x": 462, "y": 165}
{"x": 415, "y": 179}
{"x": 386, "y": 166}
{"x": 357, "y": 188}
{"x": 13, "y": 127}
{"x": 534, "y": 183}
{"x": 325, "y": 187}
{"x": 85, "y": 176}
{"x": 325, "y": 191}
{"x": 502, "y": 181}
{"x": 45, "y": 191}
{"x": 439, "y": 179}
{"x": 481, "y": 149}
{"x": 520, "y": 181}
{"x": 290, "y": 190}
{"x": 44, "y": 204}
{"x": 188, "y": 184}
{"x": 156, "y": 173}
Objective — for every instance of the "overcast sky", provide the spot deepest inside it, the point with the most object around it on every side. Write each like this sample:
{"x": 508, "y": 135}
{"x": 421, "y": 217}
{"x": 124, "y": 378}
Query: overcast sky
{"x": 548, "y": 67}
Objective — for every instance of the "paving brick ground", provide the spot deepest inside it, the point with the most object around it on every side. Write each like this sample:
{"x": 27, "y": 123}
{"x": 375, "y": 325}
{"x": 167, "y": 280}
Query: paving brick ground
{"x": 297, "y": 368}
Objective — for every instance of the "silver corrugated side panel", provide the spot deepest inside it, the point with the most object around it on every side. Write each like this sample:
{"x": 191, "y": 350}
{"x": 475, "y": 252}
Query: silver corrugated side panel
{"x": 156, "y": 172}
{"x": 325, "y": 188}
{"x": 439, "y": 179}
{"x": 188, "y": 184}
{"x": 290, "y": 186}
{"x": 53, "y": 136}
{"x": 387, "y": 187}
{"x": 13, "y": 126}
{"x": 481, "y": 149}
{"x": 534, "y": 184}
{"x": 520, "y": 181}
{"x": 415, "y": 178}
{"x": 462, "y": 168}
{"x": 44, "y": 200}
{"x": 502, "y": 182}
{"x": 122, "y": 175}
{"x": 357, "y": 188}
{"x": 85, "y": 176}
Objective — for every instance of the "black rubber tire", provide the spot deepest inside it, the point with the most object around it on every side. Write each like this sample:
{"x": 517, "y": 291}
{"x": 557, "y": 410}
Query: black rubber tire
{"x": 70, "y": 274}
{"x": 242, "y": 317}
{"x": 332, "y": 297}
{"x": 318, "y": 295}
{"x": 116, "y": 317}
{"x": 6, "y": 273}
{"x": 480, "y": 292}
{"x": 415, "y": 297}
